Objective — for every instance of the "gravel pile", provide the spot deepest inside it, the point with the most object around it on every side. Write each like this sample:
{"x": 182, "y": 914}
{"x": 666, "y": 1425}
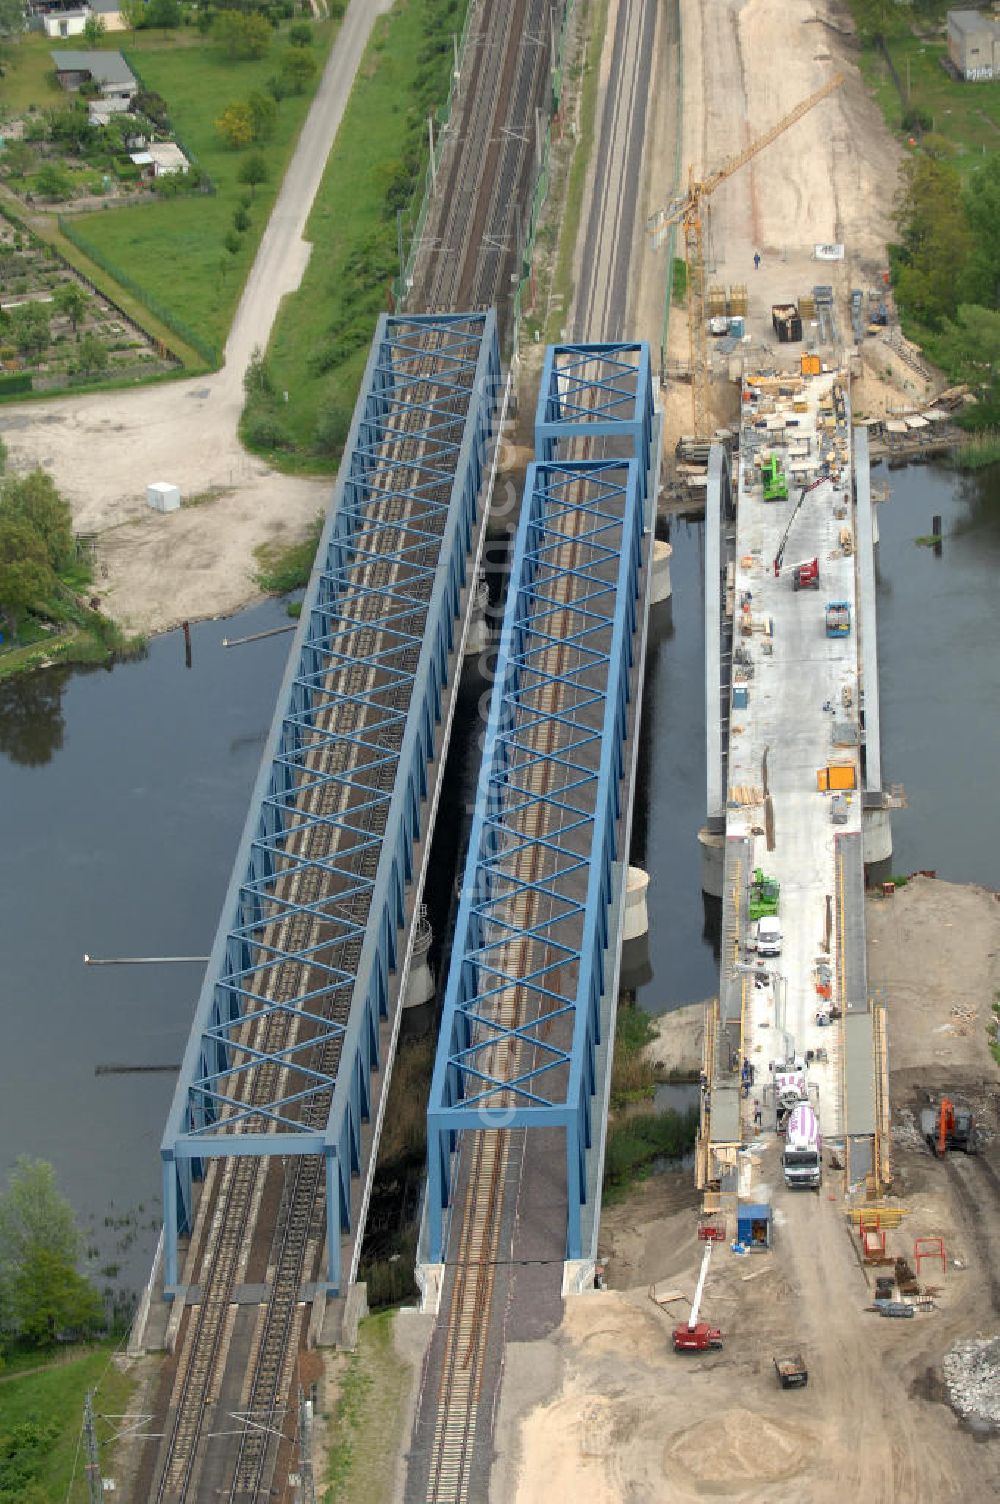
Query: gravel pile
{"x": 972, "y": 1373}
{"x": 905, "y": 1130}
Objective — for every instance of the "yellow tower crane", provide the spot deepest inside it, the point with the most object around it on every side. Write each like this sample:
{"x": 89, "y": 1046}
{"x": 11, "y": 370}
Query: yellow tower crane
{"x": 689, "y": 209}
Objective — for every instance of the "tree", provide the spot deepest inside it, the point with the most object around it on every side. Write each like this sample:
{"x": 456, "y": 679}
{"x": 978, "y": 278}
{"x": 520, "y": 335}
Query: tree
{"x": 165, "y": 14}
{"x": 71, "y": 301}
{"x": 29, "y": 327}
{"x": 133, "y": 13}
{"x": 91, "y": 356}
{"x": 253, "y": 170}
{"x": 53, "y": 182}
{"x": 982, "y": 212}
{"x": 34, "y": 500}
{"x": 232, "y": 242}
{"x": 93, "y": 30}
{"x": 236, "y": 124}
{"x": 264, "y": 111}
{"x": 11, "y": 17}
{"x": 300, "y": 34}
{"x": 18, "y": 159}
{"x": 298, "y": 68}
{"x": 25, "y": 577}
{"x": 48, "y": 1296}
{"x": 936, "y": 240}
{"x": 243, "y": 36}
{"x": 241, "y": 219}
{"x": 41, "y": 1292}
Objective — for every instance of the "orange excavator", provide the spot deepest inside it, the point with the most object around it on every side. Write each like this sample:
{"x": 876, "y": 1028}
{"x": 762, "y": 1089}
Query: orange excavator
{"x": 948, "y": 1127}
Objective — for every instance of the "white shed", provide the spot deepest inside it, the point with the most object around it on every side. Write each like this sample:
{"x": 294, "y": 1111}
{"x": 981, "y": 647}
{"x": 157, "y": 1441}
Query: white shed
{"x": 163, "y": 497}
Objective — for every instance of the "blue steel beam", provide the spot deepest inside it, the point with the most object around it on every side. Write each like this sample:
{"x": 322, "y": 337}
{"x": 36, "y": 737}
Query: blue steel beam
{"x": 521, "y": 1019}
{"x": 286, "y": 1035}
{"x": 596, "y": 391}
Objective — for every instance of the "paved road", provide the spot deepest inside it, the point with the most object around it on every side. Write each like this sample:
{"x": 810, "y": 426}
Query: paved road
{"x": 284, "y": 254}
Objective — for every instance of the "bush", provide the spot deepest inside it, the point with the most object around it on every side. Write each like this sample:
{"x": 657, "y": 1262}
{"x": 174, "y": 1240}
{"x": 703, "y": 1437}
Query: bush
{"x": 332, "y": 429}
{"x": 633, "y": 1146}
{"x": 300, "y": 34}
{"x": 241, "y": 220}
{"x": 263, "y": 429}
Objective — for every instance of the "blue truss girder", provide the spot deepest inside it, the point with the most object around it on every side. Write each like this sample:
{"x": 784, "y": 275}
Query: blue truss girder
{"x": 521, "y": 1018}
{"x": 287, "y": 1030}
{"x": 596, "y": 391}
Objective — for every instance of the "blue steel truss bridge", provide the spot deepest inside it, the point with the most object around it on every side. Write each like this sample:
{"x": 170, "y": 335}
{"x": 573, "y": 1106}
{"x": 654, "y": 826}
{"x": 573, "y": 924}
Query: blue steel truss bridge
{"x": 283, "y": 1081}
{"x": 518, "y": 1102}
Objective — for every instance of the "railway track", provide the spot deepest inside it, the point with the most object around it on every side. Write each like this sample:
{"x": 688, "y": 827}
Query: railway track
{"x": 204, "y": 1349}
{"x": 235, "y": 1187}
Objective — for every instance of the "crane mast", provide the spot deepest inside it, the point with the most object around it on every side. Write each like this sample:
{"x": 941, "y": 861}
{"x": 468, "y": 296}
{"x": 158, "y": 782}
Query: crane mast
{"x": 689, "y": 210}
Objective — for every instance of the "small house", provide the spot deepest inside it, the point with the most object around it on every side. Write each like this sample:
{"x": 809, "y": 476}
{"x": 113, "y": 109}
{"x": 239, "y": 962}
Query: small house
{"x": 108, "y": 70}
{"x": 167, "y": 158}
{"x": 66, "y": 23}
{"x": 974, "y": 45}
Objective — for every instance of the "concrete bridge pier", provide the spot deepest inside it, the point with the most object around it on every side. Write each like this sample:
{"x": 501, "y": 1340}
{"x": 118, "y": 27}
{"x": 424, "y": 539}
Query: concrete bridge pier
{"x": 477, "y": 638}
{"x": 635, "y": 924}
{"x": 876, "y": 833}
{"x": 420, "y": 986}
{"x": 713, "y": 854}
{"x": 660, "y": 588}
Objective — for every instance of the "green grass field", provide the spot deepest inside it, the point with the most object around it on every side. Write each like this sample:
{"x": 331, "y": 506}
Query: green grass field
{"x": 174, "y": 249}
{"x": 966, "y": 116}
{"x": 56, "y": 1396}
{"x": 28, "y": 77}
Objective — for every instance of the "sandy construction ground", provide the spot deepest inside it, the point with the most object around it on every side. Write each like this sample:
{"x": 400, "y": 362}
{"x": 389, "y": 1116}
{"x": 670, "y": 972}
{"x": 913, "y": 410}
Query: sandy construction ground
{"x": 832, "y": 177}
{"x": 155, "y": 571}
{"x": 607, "y": 1412}
{"x": 604, "y": 1411}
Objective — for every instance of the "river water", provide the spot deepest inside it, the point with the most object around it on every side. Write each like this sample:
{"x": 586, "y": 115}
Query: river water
{"x": 124, "y": 793}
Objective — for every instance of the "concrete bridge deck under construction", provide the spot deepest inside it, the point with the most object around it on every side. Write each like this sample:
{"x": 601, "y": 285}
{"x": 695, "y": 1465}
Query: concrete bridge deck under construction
{"x": 794, "y": 769}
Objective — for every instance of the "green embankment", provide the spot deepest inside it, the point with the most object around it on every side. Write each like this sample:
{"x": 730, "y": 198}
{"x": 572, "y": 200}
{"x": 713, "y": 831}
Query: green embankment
{"x": 361, "y": 1463}
{"x": 41, "y": 1416}
{"x": 321, "y": 339}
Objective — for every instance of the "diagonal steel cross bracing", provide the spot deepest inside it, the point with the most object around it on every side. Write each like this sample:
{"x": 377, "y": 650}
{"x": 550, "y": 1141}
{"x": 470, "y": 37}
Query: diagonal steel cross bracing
{"x": 287, "y": 1032}
{"x": 596, "y": 391}
{"x": 522, "y": 1015}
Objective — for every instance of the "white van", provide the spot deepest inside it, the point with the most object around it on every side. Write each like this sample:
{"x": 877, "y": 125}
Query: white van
{"x": 768, "y": 936}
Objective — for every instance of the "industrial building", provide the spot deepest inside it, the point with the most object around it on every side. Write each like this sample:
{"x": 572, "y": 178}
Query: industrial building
{"x": 974, "y": 45}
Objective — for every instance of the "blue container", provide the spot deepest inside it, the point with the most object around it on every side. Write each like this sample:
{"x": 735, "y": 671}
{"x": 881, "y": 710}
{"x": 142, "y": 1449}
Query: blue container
{"x": 741, "y": 697}
{"x": 736, "y": 327}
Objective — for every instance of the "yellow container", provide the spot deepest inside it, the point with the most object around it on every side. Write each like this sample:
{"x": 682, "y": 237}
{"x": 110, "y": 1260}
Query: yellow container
{"x": 810, "y": 365}
{"x": 836, "y": 776}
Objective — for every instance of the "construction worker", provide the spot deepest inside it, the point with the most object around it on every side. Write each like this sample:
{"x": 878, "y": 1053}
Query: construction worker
{"x": 757, "y": 1115}
{"x": 756, "y": 261}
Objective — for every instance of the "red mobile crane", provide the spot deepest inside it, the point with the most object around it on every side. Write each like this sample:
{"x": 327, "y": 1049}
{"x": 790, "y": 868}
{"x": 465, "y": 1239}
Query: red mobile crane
{"x": 807, "y": 572}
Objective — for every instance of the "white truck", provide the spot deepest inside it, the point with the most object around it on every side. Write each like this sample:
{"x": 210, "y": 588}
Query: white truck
{"x": 802, "y": 1160}
{"x": 789, "y": 1089}
{"x": 767, "y": 936}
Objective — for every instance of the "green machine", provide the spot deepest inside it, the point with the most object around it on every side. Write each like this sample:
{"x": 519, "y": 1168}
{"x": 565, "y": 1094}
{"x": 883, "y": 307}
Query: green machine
{"x": 765, "y": 894}
{"x": 775, "y": 479}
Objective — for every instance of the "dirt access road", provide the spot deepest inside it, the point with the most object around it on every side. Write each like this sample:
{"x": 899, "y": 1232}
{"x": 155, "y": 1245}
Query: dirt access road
{"x": 103, "y": 450}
